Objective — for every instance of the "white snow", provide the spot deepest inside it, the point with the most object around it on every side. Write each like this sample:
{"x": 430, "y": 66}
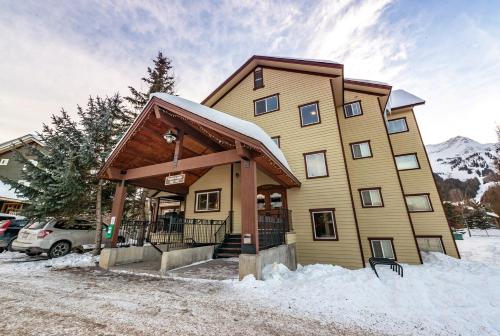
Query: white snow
{"x": 445, "y": 296}
{"x": 20, "y": 262}
{"x": 239, "y": 125}
{"x": 400, "y": 98}
{"x": 6, "y": 191}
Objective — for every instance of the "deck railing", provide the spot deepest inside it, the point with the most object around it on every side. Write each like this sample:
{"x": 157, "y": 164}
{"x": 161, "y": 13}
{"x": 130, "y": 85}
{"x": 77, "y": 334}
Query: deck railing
{"x": 273, "y": 226}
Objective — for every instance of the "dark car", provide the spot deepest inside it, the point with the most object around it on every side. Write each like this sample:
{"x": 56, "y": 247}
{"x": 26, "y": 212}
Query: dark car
{"x": 10, "y": 225}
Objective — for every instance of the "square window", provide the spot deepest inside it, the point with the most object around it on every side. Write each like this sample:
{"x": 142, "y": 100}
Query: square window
{"x": 352, "y": 109}
{"x": 266, "y": 105}
{"x": 371, "y": 198}
{"x": 316, "y": 164}
{"x": 207, "y": 201}
{"x": 419, "y": 203}
{"x": 309, "y": 114}
{"x": 323, "y": 222}
{"x": 430, "y": 244}
{"x": 277, "y": 141}
{"x": 397, "y": 125}
{"x": 407, "y": 161}
{"x": 4, "y": 162}
{"x": 382, "y": 248}
{"x": 361, "y": 150}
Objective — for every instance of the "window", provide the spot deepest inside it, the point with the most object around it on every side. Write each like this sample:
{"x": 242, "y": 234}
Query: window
{"x": 261, "y": 202}
{"x": 407, "y": 161}
{"x": 371, "y": 198}
{"x": 207, "y": 200}
{"x": 316, "y": 164}
{"x": 258, "y": 78}
{"x": 361, "y": 150}
{"x": 352, "y": 109}
{"x": 4, "y": 162}
{"x": 276, "y": 140}
{"x": 323, "y": 222}
{"x": 309, "y": 114}
{"x": 418, "y": 203}
{"x": 430, "y": 244}
{"x": 397, "y": 125}
{"x": 382, "y": 248}
{"x": 266, "y": 105}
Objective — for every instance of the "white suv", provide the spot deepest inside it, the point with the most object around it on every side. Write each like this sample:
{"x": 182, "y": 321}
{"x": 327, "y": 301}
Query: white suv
{"x": 56, "y": 237}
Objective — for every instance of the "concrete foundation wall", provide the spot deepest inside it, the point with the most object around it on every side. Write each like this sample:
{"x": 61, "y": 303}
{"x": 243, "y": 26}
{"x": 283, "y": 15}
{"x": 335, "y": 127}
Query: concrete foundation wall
{"x": 255, "y": 263}
{"x": 184, "y": 257}
{"x": 126, "y": 255}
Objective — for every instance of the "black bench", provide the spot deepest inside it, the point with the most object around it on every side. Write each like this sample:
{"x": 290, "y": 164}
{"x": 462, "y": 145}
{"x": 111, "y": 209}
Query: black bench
{"x": 385, "y": 261}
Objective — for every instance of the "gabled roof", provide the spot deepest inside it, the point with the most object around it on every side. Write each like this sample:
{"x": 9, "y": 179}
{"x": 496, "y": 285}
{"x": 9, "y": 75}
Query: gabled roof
{"x": 206, "y": 132}
{"x": 401, "y": 99}
{"x": 314, "y": 66}
{"x": 18, "y": 142}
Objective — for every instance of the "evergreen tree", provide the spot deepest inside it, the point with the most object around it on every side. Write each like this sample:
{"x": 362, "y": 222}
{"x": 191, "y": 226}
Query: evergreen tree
{"x": 477, "y": 217}
{"x": 159, "y": 79}
{"x": 453, "y": 215}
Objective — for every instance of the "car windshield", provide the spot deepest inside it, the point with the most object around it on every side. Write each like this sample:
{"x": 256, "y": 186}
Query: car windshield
{"x": 37, "y": 224}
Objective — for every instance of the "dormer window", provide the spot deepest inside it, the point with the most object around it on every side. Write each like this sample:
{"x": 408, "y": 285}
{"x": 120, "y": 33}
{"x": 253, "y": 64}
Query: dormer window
{"x": 258, "y": 79}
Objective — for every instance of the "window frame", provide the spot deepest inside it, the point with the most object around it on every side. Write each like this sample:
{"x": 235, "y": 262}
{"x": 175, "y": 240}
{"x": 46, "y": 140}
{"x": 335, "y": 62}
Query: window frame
{"x": 431, "y": 237}
{"x": 420, "y": 194}
{"x": 356, "y": 115}
{"x": 406, "y": 124}
{"x": 391, "y": 239}
{"x": 361, "y": 142}
{"x": 279, "y": 140}
{"x": 332, "y": 210}
{"x": 261, "y": 70}
{"x": 326, "y": 164}
{"x": 407, "y": 154}
{"x": 207, "y": 191}
{"x": 264, "y": 98}
{"x": 379, "y": 189}
{"x": 317, "y": 110}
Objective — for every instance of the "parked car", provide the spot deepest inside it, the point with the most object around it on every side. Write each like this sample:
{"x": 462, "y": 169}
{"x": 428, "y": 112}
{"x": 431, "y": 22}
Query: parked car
{"x": 56, "y": 237}
{"x": 10, "y": 225}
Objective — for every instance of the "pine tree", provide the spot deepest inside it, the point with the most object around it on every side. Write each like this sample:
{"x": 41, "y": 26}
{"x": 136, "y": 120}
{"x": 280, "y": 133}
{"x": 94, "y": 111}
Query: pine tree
{"x": 477, "y": 217}
{"x": 160, "y": 79}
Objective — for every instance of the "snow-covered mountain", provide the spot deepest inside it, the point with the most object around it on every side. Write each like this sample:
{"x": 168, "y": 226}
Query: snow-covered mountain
{"x": 463, "y": 158}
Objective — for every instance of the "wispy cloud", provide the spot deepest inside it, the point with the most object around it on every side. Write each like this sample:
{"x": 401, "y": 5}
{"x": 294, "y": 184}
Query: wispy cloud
{"x": 54, "y": 54}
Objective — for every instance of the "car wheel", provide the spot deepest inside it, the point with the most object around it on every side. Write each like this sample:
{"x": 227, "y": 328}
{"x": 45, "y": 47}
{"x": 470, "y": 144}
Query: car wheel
{"x": 59, "y": 249}
{"x": 9, "y": 247}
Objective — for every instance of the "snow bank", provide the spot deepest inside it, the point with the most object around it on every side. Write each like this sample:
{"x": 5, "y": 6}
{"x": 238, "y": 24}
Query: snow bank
{"x": 13, "y": 262}
{"x": 432, "y": 298}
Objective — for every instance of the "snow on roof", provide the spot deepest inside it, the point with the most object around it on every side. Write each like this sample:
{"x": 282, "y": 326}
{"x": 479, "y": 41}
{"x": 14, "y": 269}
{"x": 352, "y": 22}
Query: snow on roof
{"x": 492, "y": 214}
{"x": 6, "y": 146}
{"x": 239, "y": 125}
{"x": 367, "y": 81}
{"x": 400, "y": 98}
{"x": 301, "y": 59}
{"x": 7, "y": 192}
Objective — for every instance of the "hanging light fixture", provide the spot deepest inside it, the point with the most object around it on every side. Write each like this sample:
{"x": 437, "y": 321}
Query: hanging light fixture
{"x": 170, "y": 137}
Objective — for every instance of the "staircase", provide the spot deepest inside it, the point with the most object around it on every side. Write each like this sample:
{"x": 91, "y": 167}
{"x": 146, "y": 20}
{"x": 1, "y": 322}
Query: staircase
{"x": 230, "y": 247}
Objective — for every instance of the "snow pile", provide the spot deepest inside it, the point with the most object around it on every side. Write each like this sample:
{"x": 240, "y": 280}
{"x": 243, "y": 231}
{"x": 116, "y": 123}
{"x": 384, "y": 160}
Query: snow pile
{"x": 13, "y": 262}
{"x": 239, "y": 125}
{"x": 400, "y": 98}
{"x": 435, "y": 298}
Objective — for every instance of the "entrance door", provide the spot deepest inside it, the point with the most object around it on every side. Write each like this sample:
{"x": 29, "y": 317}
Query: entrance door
{"x": 271, "y": 199}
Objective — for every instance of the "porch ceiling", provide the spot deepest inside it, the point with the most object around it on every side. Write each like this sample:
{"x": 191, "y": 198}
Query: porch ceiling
{"x": 144, "y": 146}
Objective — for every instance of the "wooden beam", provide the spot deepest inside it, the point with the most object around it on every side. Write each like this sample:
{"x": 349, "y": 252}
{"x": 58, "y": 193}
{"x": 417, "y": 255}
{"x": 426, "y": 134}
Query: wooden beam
{"x": 197, "y": 162}
{"x": 114, "y": 173}
{"x": 242, "y": 151}
{"x": 117, "y": 210}
{"x": 178, "y": 146}
{"x": 191, "y": 131}
{"x": 157, "y": 112}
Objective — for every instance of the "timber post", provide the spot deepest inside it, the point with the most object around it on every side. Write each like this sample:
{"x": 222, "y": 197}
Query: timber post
{"x": 117, "y": 210}
{"x": 249, "y": 225}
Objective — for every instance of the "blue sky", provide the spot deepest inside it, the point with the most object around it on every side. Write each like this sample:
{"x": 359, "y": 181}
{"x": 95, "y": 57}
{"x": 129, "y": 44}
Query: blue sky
{"x": 55, "y": 54}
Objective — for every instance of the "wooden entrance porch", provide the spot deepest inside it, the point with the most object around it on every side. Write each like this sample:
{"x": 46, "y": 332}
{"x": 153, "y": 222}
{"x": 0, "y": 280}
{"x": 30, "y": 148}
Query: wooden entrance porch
{"x": 174, "y": 142}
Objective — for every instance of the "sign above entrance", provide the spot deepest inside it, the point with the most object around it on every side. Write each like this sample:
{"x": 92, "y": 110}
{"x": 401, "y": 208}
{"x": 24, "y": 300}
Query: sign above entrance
{"x": 175, "y": 179}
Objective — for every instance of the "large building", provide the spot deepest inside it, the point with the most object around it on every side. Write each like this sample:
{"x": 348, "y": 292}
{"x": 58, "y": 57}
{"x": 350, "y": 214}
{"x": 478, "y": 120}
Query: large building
{"x": 346, "y": 162}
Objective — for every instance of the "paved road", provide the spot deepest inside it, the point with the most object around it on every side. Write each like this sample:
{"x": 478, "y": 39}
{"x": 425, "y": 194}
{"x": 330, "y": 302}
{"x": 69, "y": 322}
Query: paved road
{"x": 42, "y": 301}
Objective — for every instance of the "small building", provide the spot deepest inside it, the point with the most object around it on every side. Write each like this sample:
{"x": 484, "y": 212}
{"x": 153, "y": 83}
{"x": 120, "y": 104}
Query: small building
{"x": 337, "y": 163}
{"x": 11, "y": 168}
